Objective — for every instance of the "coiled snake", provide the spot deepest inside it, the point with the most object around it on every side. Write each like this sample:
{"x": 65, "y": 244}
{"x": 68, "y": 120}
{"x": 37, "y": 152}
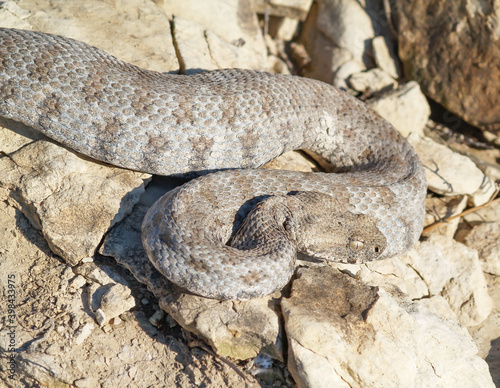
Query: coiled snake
{"x": 232, "y": 234}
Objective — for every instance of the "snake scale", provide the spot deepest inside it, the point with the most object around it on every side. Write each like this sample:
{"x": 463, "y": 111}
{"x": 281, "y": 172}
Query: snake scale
{"x": 232, "y": 233}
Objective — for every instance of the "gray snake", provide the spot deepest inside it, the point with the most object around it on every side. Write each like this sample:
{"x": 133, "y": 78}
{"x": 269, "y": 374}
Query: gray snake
{"x": 232, "y": 233}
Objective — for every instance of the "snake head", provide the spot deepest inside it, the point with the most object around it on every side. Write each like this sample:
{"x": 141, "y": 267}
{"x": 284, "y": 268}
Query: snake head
{"x": 324, "y": 228}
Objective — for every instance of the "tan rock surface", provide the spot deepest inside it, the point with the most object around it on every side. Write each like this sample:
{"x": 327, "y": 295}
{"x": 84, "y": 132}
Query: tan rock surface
{"x": 342, "y": 333}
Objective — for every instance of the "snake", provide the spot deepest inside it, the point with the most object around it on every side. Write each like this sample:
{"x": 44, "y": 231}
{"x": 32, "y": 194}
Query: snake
{"x": 232, "y": 232}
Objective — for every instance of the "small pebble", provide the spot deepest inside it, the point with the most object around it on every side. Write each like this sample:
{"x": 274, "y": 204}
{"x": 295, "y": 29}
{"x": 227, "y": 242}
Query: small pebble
{"x": 156, "y": 317}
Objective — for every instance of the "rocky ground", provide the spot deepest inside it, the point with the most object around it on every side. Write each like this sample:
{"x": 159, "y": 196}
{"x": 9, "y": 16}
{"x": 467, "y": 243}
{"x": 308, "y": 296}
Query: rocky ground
{"x": 81, "y": 305}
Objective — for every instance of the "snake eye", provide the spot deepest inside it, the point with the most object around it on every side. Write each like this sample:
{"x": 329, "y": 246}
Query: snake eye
{"x": 356, "y": 245}
{"x": 376, "y": 249}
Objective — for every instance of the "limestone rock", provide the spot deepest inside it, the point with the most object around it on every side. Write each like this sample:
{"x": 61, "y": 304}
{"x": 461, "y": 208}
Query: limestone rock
{"x": 385, "y": 59}
{"x": 396, "y": 272}
{"x": 342, "y": 333}
{"x": 485, "y": 238}
{"x": 326, "y": 57}
{"x": 231, "y": 29}
{"x": 115, "y": 301}
{"x": 194, "y": 52}
{"x": 295, "y": 9}
{"x": 13, "y": 16}
{"x": 283, "y": 28}
{"x": 139, "y": 26}
{"x": 441, "y": 209}
{"x": 490, "y": 213}
{"x": 98, "y": 274}
{"x": 239, "y": 330}
{"x": 372, "y": 80}
{"x": 57, "y": 343}
{"x": 437, "y": 267}
{"x": 76, "y": 283}
{"x": 449, "y": 173}
{"x": 344, "y": 72}
{"x": 347, "y": 25}
{"x": 452, "y": 49}
{"x": 487, "y": 334}
{"x": 388, "y": 274}
{"x": 406, "y": 108}
{"x": 83, "y": 332}
{"x": 200, "y": 49}
{"x": 71, "y": 200}
{"x": 452, "y": 270}
{"x": 338, "y": 35}
{"x": 292, "y": 160}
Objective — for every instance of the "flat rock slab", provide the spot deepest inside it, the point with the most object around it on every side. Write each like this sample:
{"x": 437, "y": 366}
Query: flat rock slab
{"x": 406, "y": 108}
{"x": 450, "y": 173}
{"x": 140, "y": 26}
{"x": 58, "y": 343}
{"x": 223, "y": 33}
{"x": 343, "y": 333}
{"x": 73, "y": 201}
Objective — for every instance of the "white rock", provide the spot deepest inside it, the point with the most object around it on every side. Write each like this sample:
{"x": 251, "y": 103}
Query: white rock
{"x": 224, "y": 54}
{"x": 394, "y": 272}
{"x": 328, "y": 60}
{"x": 441, "y": 209}
{"x": 138, "y": 25}
{"x": 115, "y": 301}
{"x": 100, "y": 317}
{"x": 240, "y": 330}
{"x": 235, "y": 22}
{"x": 115, "y": 321}
{"x": 13, "y": 16}
{"x": 384, "y": 58}
{"x": 485, "y": 238}
{"x": 201, "y": 49}
{"x": 344, "y": 72}
{"x": 489, "y": 213}
{"x": 77, "y": 282}
{"x": 347, "y": 25}
{"x": 387, "y": 274}
{"x": 194, "y": 53}
{"x": 283, "y": 28}
{"x": 157, "y": 317}
{"x": 406, "y": 108}
{"x": 72, "y": 200}
{"x": 325, "y": 56}
{"x": 291, "y": 160}
{"x": 485, "y": 192}
{"x": 372, "y": 80}
{"x": 342, "y": 333}
{"x": 452, "y": 270}
{"x": 487, "y": 334}
{"x": 296, "y": 9}
{"x": 449, "y": 173}
{"x": 95, "y": 274}
{"x": 83, "y": 332}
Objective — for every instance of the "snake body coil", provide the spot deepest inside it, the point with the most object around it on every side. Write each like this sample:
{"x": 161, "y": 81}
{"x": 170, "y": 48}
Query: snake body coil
{"x": 232, "y": 234}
